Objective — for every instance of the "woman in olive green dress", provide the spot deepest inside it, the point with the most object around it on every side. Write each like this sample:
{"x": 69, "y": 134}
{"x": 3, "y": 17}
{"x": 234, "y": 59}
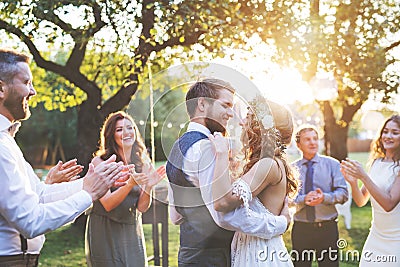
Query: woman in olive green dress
{"x": 114, "y": 233}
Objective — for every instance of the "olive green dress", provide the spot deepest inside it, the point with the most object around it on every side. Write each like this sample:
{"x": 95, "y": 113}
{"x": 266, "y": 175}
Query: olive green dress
{"x": 116, "y": 238}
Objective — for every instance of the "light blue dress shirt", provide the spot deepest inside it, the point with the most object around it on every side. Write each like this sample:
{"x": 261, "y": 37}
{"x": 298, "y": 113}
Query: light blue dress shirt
{"x": 329, "y": 179}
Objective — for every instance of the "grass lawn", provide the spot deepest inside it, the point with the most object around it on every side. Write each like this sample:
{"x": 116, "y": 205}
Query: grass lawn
{"x": 65, "y": 247}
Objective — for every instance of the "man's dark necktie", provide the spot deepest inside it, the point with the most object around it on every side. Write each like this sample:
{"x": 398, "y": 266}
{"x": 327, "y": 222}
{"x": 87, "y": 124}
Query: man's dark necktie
{"x": 310, "y": 210}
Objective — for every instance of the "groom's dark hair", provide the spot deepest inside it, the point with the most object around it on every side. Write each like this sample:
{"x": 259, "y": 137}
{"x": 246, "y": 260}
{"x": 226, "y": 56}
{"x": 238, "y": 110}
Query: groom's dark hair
{"x": 208, "y": 88}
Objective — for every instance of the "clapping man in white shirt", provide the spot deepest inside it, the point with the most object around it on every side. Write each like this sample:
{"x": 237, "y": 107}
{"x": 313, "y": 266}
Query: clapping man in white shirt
{"x": 29, "y": 208}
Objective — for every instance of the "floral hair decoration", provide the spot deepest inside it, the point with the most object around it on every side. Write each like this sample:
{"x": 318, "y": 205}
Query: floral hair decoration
{"x": 260, "y": 108}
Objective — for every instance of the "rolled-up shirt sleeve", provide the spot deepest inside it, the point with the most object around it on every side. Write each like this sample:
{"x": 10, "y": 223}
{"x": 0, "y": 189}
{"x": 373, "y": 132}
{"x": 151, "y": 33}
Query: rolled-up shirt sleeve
{"x": 263, "y": 225}
{"x": 52, "y": 192}
{"x": 33, "y": 213}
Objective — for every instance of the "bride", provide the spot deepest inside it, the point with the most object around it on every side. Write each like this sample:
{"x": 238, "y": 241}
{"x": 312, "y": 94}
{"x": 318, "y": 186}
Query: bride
{"x": 266, "y": 175}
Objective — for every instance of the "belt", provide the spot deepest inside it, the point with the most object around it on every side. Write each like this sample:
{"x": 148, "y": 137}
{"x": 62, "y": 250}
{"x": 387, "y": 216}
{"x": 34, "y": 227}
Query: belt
{"x": 27, "y": 257}
{"x": 317, "y": 224}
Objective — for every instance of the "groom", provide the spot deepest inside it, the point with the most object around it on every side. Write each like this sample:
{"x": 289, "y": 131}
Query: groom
{"x": 190, "y": 167}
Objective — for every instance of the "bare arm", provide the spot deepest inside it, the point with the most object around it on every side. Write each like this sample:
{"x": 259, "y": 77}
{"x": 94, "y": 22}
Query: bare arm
{"x": 360, "y": 195}
{"x": 154, "y": 177}
{"x": 388, "y": 200}
{"x": 258, "y": 177}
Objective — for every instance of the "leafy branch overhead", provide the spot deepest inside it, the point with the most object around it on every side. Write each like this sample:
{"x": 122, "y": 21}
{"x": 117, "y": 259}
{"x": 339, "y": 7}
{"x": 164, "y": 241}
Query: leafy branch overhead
{"x": 105, "y": 44}
{"x": 100, "y": 47}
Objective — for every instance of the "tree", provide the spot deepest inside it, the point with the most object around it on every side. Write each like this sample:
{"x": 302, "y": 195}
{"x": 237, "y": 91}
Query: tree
{"x": 355, "y": 41}
{"x": 107, "y": 43}
{"x": 48, "y": 135}
{"x": 100, "y": 48}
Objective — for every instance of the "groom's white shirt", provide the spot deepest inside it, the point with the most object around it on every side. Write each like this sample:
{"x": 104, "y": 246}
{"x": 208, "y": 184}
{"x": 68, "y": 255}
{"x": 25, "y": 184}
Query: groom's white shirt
{"x": 198, "y": 165}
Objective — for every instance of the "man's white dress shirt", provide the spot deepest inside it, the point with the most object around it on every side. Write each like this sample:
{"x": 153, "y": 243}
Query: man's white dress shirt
{"x": 198, "y": 165}
{"x": 28, "y": 206}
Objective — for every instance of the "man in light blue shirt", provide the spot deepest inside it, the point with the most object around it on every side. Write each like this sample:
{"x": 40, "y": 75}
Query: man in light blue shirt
{"x": 315, "y": 219}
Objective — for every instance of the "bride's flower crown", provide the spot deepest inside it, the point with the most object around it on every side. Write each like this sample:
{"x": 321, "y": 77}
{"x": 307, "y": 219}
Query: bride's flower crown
{"x": 260, "y": 108}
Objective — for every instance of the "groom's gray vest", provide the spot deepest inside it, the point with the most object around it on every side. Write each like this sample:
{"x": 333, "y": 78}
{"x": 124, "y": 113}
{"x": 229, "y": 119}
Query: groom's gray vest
{"x": 198, "y": 229}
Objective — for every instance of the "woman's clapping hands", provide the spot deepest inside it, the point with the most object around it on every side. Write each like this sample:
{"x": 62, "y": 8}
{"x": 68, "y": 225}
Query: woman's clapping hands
{"x": 149, "y": 177}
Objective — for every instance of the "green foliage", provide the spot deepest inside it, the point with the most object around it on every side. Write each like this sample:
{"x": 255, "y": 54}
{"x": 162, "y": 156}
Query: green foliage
{"x": 42, "y": 134}
{"x": 53, "y": 90}
{"x": 352, "y": 39}
{"x": 109, "y": 42}
{"x": 105, "y": 45}
{"x": 169, "y": 115}
{"x": 102, "y": 48}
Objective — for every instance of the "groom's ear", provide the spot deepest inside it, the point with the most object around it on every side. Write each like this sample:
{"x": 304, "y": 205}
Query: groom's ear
{"x": 2, "y": 85}
{"x": 201, "y": 101}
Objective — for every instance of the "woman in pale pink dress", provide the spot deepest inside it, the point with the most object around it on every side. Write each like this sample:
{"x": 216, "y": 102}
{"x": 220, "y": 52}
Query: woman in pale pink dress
{"x": 382, "y": 185}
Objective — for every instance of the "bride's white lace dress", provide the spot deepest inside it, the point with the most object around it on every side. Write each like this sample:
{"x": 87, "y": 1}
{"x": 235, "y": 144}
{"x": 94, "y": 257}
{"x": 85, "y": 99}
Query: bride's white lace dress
{"x": 252, "y": 251}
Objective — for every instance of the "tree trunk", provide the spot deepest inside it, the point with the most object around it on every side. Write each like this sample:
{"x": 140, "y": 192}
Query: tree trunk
{"x": 336, "y": 137}
{"x": 335, "y": 133}
{"x": 90, "y": 120}
{"x": 89, "y": 124}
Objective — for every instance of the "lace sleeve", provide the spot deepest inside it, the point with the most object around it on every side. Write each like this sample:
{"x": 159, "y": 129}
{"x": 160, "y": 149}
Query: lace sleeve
{"x": 242, "y": 190}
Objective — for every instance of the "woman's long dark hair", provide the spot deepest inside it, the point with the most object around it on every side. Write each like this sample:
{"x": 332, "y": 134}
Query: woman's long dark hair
{"x": 108, "y": 145}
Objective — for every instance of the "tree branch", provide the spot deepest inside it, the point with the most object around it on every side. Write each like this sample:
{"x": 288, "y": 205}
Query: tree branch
{"x": 349, "y": 111}
{"x": 393, "y": 45}
{"x": 40, "y": 61}
{"x": 53, "y": 18}
{"x": 75, "y": 77}
{"x": 82, "y": 38}
{"x": 123, "y": 96}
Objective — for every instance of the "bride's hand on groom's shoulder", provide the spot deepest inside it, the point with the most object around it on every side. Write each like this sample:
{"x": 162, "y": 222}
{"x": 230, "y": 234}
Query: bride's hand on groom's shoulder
{"x": 220, "y": 143}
